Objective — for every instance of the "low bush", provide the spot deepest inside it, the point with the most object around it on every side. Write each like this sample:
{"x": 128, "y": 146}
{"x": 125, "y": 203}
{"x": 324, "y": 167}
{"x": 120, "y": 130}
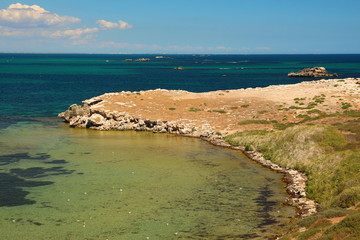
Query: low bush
{"x": 348, "y": 226}
{"x": 254, "y": 121}
{"x": 192, "y": 109}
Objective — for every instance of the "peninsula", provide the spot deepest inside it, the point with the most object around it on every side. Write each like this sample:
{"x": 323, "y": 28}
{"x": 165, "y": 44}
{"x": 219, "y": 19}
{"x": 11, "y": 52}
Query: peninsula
{"x": 299, "y": 130}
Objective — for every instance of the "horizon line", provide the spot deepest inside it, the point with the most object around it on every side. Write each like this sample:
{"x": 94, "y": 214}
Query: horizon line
{"x": 181, "y": 53}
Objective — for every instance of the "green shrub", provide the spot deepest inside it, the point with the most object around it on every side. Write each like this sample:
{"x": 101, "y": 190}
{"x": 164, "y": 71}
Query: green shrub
{"x": 348, "y": 197}
{"x": 308, "y": 234}
{"x": 349, "y": 226}
{"x": 192, "y": 109}
{"x": 308, "y": 221}
{"x": 350, "y": 126}
{"x": 334, "y": 212}
{"x": 314, "y": 111}
{"x": 253, "y": 121}
{"x": 351, "y": 113}
{"x": 219, "y": 111}
{"x": 245, "y": 106}
{"x": 346, "y": 105}
{"x": 312, "y": 104}
{"x": 283, "y": 126}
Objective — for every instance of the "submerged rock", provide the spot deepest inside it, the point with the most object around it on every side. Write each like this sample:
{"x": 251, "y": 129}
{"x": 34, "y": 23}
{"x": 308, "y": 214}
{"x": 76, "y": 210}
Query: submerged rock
{"x": 313, "y": 72}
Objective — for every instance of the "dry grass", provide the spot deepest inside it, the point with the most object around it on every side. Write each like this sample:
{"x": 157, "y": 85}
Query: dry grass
{"x": 319, "y": 151}
{"x": 332, "y": 165}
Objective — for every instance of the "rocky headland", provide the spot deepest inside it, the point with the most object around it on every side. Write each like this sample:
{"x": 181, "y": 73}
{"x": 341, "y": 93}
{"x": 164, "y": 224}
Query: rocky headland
{"x": 313, "y": 72}
{"x": 213, "y": 115}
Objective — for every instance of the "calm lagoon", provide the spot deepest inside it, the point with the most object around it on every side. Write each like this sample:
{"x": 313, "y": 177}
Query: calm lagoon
{"x": 64, "y": 183}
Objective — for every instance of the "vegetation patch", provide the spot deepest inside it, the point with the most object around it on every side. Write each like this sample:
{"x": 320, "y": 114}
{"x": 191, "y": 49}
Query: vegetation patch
{"x": 254, "y": 121}
{"x": 351, "y": 113}
{"x": 172, "y": 108}
{"x": 245, "y": 106}
{"x": 345, "y": 105}
{"x": 319, "y": 151}
{"x": 283, "y": 126}
{"x": 350, "y": 126}
{"x": 192, "y": 109}
{"x": 331, "y": 165}
{"x": 346, "y": 229}
{"x": 219, "y": 111}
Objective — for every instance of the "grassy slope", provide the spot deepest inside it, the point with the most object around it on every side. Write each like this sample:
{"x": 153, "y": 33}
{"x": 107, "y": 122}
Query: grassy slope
{"x": 332, "y": 163}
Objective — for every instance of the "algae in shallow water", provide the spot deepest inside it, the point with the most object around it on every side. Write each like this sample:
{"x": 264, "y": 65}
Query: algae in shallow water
{"x": 124, "y": 185}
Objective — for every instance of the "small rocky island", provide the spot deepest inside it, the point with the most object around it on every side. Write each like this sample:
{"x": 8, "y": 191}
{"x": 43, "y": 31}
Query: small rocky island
{"x": 313, "y": 72}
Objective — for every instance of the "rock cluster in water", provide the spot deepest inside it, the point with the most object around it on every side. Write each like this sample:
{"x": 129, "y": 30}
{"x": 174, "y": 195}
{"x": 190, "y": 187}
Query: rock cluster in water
{"x": 87, "y": 116}
{"x": 313, "y": 72}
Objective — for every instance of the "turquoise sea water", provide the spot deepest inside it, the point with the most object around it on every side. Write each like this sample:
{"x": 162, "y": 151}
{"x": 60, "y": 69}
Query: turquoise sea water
{"x": 44, "y": 85}
{"x": 63, "y": 183}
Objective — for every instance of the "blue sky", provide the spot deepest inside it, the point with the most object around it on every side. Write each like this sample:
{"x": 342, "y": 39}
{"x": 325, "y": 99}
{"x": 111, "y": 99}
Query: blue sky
{"x": 187, "y": 26}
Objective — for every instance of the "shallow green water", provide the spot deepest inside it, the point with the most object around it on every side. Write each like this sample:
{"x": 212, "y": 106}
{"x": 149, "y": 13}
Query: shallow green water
{"x": 63, "y": 183}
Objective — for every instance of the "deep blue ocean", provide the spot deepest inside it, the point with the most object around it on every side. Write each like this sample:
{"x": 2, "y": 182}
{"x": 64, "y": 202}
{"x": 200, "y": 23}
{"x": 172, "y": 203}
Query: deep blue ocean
{"x": 42, "y": 85}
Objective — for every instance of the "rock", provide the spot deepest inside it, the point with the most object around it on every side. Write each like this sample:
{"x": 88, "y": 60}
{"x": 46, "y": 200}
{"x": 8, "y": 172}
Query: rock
{"x": 313, "y": 72}
{"x": 78, "y": 121}
{"x": 141, "y": 123}
{"x": 74, "y": 111}
{"x": 96, "y": 120}
{"x": 92, "y": 101}
{"x": 185, "y": 131}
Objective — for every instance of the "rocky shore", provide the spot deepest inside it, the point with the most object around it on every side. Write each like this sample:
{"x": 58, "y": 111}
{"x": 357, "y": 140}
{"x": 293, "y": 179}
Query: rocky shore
{"x": 85, "y": 116}
{"x": 213, "y": 115}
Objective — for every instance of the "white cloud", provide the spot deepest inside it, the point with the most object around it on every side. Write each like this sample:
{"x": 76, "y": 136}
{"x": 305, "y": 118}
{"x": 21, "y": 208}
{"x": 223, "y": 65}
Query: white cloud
{"x": 32, "y": 22}
{"x": 9, "y": 32}
{"x": 119, "y": 24}
{"x": 70, "y": 33}
{"x": 20, "y": 20}
{"x": 67, "y": 33}
{"x": 25, "y": 16}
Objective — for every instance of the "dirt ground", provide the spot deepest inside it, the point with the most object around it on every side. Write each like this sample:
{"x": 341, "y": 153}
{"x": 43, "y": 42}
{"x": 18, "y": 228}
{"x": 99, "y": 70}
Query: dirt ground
{"x": 223, "y": 110}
